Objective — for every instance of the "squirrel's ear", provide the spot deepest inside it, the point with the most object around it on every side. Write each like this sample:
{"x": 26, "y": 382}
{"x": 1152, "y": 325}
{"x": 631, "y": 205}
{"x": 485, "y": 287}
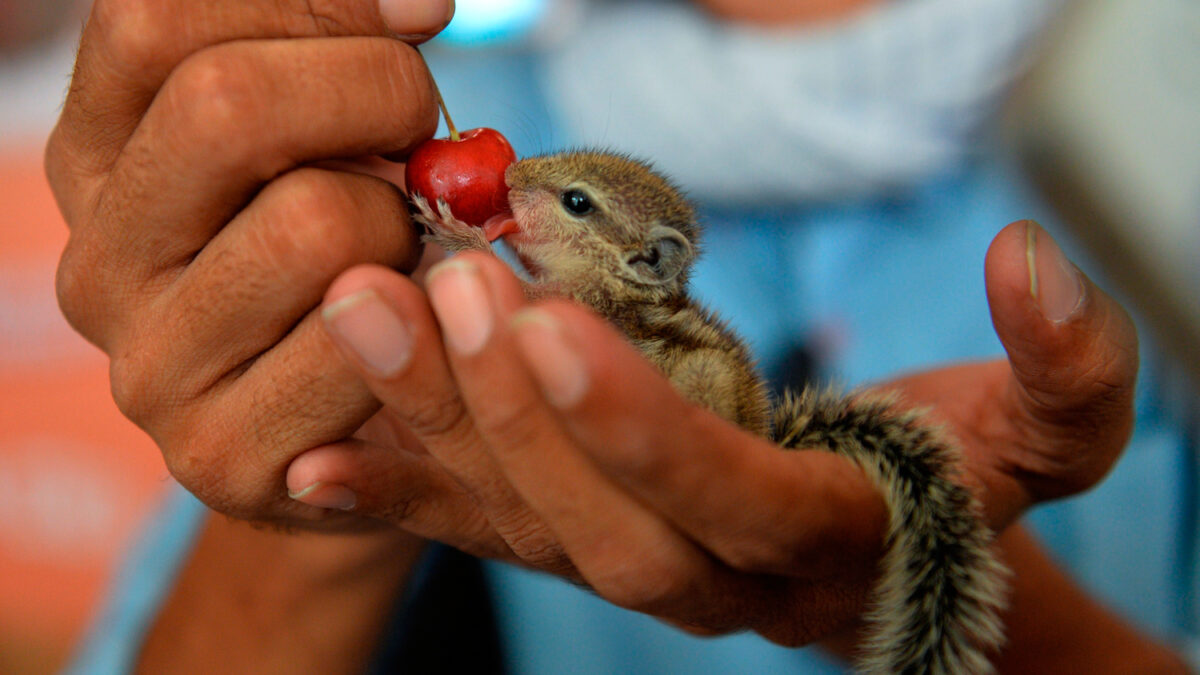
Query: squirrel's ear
{"x": 667, "y": 254}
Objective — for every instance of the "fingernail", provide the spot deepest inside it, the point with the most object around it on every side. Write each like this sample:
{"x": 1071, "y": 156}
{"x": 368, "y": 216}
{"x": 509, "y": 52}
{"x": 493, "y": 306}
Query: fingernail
{"x": 556, "y": 365}
{"x": 460, "y": 301}
{"x": 419, "y": 19}
{"x": 1053, "y": 281}
{"x": 372, "y": 330}
{"x": 326, "y": 496}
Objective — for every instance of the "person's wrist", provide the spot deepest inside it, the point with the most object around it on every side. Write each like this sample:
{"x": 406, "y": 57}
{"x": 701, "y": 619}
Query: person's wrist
{"x": 336, "y": 589}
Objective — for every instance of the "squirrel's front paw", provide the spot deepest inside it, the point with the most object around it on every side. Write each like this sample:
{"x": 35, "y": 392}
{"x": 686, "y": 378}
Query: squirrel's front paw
{"x": 443, "y": 229}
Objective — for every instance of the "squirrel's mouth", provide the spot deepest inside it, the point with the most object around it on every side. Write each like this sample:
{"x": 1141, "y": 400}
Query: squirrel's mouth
{"x": 511, "y": 241}
{"x": 499, "y": 225}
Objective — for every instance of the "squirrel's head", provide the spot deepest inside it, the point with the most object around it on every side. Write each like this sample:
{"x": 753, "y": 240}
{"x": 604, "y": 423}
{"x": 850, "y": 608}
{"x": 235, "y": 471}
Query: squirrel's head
{"x": 587, "y": 215}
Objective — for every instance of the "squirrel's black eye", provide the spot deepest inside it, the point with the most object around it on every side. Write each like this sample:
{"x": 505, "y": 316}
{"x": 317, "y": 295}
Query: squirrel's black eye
{"x": 577, "y": 202}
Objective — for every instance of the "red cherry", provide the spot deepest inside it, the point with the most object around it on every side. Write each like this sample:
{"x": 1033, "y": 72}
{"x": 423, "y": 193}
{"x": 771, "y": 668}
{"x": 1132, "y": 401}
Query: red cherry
{"x": 467, "y": 173}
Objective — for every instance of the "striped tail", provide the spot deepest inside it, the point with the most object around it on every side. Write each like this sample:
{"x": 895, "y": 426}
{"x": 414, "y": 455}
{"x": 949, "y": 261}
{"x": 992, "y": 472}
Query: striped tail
{"x": 936, "y": 606}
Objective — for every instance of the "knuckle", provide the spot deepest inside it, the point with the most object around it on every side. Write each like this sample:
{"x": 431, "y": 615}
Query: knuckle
{"x": 215, "y": 99}
{"x": 320, "y": 18}
{"x": 197, "y": 458}
{"x": 532, "y": 542}
{"x": 400, "y": 509}
{"x": 151, "y": 383}
{"x": 313, "y": 218}
{"x": 133, "y": 32}
{"x": 437, "y": 418}
{"x": 333, "y": 220}
{"x": 512, "y": 421}
{"x": 190, "y": 462}
{"x": 128, "y": 386}
{"x": 646, "y": 582}
{"x": 136, "y": 380}
{"x": 73, "y": 287}
{"x": 540, "y": 550}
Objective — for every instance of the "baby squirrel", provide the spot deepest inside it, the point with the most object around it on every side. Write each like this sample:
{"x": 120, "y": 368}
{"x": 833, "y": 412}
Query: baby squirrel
{"x": 611, "y": 233}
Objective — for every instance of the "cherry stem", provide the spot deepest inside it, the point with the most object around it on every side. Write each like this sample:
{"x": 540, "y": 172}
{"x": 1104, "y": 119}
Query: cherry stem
{"x": 445, "y": 113}
{"x": 437, "y": 94}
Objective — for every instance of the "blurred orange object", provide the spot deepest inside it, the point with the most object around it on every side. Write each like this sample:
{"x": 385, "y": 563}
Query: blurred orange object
{"x": 76, "y": 478}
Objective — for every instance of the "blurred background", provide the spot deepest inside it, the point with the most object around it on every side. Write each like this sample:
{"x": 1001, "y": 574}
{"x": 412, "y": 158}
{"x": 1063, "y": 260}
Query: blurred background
{"x": 76, "y": 479}
{"x": 1104, "y": 124}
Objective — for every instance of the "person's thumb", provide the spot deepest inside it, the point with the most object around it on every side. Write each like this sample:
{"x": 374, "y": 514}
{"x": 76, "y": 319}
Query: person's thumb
{"x": 1074, "y": 357}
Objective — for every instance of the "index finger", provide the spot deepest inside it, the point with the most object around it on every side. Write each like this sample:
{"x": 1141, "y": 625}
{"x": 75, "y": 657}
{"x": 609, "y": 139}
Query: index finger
{"x": 129, "y": 47}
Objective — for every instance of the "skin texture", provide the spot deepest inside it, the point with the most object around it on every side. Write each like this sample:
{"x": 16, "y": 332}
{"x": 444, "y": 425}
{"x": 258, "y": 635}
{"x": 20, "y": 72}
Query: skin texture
{"x": 204, "y": 239}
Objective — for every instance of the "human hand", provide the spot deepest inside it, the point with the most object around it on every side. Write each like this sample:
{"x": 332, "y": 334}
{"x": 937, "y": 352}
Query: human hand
{"x": 659, "y": 505}
{"x": 1053, "y": 418}
{"x": 659, "y": 520}
{"x": 202, "y": 237}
